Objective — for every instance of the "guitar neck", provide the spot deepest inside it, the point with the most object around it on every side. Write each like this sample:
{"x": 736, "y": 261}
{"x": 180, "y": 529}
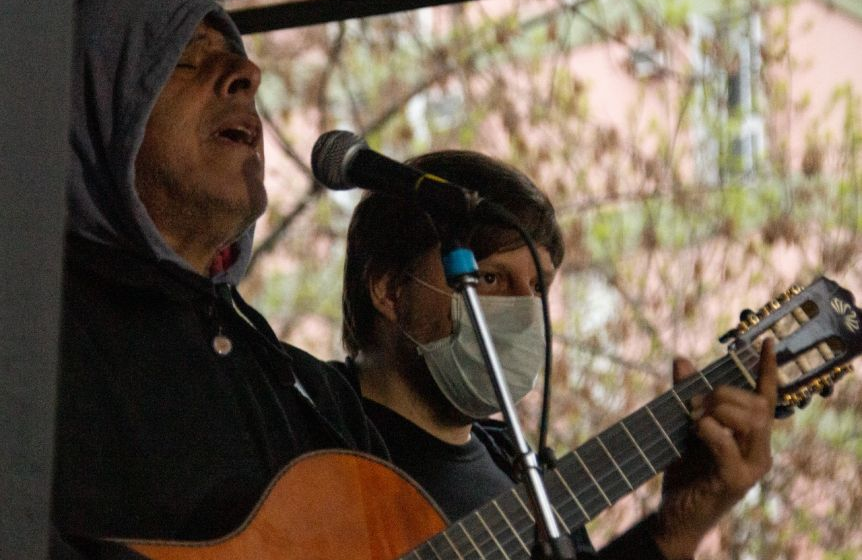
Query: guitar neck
{"x": 595, "y": 475}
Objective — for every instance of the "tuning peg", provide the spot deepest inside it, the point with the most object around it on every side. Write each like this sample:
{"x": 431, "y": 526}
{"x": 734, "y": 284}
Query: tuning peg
{"x": 804, "y": 401}
{"x": 784, "y": 411}
{"x": 826, "y": 391}
{"x": 728, "y": 336}
{"x": 747, "y": 317}
{"x": 746, "y": 314}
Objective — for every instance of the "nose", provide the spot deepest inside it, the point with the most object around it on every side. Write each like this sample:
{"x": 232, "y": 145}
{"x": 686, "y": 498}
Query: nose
{"x": 523, "y": 287}
{"x": 240, "y": 76}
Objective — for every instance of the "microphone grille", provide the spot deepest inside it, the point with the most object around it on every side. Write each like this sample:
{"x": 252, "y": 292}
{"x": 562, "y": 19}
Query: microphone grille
{"x": 330, "y": 158}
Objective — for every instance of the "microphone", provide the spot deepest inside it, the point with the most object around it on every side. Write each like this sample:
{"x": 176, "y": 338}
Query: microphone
{"x": 342, "y": 160}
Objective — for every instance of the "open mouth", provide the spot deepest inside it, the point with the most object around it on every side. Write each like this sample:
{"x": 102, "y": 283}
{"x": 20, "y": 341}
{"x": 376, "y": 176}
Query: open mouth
{"x": 243, "y": 131}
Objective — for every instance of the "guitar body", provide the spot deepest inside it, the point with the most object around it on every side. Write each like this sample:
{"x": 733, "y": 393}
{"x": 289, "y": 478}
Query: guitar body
{"x": 325, "y": 505}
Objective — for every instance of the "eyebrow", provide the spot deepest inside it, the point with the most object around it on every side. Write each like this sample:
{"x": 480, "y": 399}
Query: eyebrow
{"x": 548, "y": 274}
{"x": 205, "y": 38}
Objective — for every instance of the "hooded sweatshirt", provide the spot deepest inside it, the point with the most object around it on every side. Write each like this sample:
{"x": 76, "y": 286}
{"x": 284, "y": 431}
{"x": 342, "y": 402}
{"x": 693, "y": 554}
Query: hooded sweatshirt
{"x": 176, "y": 402}
{"x": 125, "y": 51}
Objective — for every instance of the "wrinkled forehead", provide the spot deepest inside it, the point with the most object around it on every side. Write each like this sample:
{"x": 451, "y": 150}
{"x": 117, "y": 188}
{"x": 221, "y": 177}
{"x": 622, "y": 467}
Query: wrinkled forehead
{"x": 214, "y": 32}
{"x": 206, "y": 39}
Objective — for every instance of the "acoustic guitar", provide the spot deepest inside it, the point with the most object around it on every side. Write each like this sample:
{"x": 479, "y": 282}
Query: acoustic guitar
{"x": 345, "y": 505}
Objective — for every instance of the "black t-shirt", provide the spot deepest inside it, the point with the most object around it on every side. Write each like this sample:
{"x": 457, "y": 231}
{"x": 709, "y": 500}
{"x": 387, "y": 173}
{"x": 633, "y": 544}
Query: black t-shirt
{"x": 435, "y": 464}
{"x": 460, "y": 478}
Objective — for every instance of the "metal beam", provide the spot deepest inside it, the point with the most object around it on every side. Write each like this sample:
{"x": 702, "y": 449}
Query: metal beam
{"x": 313, "y": 12}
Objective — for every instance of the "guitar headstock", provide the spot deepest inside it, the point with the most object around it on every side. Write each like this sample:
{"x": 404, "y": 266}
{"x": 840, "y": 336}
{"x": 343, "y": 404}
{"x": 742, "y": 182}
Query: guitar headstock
{"x": 818, "y": 330}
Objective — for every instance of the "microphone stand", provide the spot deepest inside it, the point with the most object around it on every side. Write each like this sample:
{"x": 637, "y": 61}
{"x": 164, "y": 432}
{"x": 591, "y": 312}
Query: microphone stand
{"x": 461, "y": 271}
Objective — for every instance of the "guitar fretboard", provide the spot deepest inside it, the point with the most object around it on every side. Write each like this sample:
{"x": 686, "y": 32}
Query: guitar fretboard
{"x": 592, "y": 477}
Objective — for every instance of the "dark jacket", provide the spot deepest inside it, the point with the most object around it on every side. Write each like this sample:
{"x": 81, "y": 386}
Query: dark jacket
{"x": 158, "y": 435}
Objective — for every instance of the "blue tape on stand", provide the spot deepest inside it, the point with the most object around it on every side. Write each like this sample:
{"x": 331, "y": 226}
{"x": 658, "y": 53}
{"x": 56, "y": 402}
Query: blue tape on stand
{"x": 459, "y": 262}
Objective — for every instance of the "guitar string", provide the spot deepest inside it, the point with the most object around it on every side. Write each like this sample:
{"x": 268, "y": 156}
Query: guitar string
{"x": 718, "y": 378}
{"x": 616, "y": 489}
{"x": 506, "y": 522}
{"x": 639, "y": 454}
{"x": 717, "y": 374}
{"x": 528, "y": 526}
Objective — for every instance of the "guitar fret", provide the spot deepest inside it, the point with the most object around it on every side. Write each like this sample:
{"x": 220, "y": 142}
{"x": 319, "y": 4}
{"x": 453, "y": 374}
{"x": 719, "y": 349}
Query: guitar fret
{"x": 579, "y": 481}
{"x": 501, "y": 525}
{"x": 461, "y": 543}
{"x": 563, "y": 506}
{"x": 560, "y": 521}
{"x": 679, "y": 400}
{"x": 651, "y": 441}
{"x": 742, "y": 369}
{"x": 638, "y": 447}
{"x": 514, "y": 532}
{"x": 482, "y": 534}
{"x": 525, "y": 521}
{"x": 490, "y": 532}
{"x": 590, "y": 474}
{"x": 663, "y": 432}
{"x": 472, "y": 542}
{"x": 524, "y": 506}
{"x": 705, "y": 380}
{"x": 526, "y": 528}
{"x": 572, "y": 494}
{"x": 628, "y": 455}
{"x": 452, "y": 545}
{"x": 505, "y": 527}
{"x": 484, "y": 542}
{"x": 610, "y": 478}
{"x": 616, "y": 465}
{"x": 433, "y": 551}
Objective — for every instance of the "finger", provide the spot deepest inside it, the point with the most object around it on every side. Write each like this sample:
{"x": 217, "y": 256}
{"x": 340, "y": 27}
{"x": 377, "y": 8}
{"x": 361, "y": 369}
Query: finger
{"x": 767, "y": 382}
{"x": 682, "y": 369}
{"x": 750, "y": 421}
{"x": 737, "y": 472}
{"x": 727, "y": 394}
{"x": 721, "y": 443}
{"x": 759, "y": 449}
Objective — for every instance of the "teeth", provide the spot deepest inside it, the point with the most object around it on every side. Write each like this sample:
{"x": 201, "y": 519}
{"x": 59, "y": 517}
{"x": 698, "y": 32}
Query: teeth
{"x": 239, "y": 134}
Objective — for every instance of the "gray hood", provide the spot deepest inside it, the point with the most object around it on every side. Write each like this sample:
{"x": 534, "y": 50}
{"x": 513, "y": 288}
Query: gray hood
{"x": 125, "y": 52}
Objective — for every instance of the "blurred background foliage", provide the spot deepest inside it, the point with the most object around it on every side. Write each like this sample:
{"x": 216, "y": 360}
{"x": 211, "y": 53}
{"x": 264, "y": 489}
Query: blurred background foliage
{"x": 702, "y": 156}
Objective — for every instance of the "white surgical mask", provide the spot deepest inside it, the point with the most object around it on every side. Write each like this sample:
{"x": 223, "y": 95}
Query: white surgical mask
{"x": 456, "y": 363}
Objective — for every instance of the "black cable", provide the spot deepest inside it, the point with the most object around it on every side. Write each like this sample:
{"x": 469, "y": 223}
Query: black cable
{"x": 489, "y": 209}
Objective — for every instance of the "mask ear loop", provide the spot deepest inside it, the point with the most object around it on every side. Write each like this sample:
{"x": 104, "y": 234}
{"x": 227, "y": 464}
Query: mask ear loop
{"x": 456, "y": 309}
{"x": 428, "y": 285}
